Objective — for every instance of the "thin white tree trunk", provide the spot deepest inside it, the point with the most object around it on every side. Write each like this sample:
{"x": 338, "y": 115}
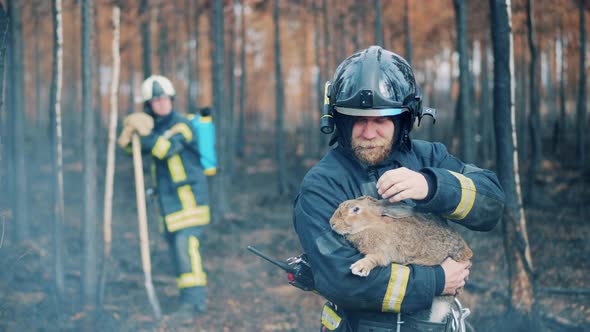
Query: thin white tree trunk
{"x": 521, "y": 225}
{"x": 58, "y": 161}
{"x": 110, "y": 171}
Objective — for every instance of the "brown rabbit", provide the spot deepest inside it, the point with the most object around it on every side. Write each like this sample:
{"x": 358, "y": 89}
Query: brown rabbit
{"x": 395, "y": 233}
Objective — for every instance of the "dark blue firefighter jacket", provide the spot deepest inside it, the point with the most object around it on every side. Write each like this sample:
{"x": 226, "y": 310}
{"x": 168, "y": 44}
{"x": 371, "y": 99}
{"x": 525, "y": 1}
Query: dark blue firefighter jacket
{"x": 463, "y": 193}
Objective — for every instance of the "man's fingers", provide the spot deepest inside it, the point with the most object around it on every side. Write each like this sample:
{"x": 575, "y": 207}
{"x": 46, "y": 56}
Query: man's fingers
{"x": 394, "y": 190}
{"x": 390, "y": 177}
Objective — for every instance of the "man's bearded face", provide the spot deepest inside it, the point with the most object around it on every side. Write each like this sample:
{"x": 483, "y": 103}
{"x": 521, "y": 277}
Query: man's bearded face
{"x": 372, "y": 139}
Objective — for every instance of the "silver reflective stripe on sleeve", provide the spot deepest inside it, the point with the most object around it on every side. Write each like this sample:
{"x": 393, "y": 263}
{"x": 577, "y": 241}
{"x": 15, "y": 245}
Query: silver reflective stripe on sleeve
{"x": 396, "y": 288}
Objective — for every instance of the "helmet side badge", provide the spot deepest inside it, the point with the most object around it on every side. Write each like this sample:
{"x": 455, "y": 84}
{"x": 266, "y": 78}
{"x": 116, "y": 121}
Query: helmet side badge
{"x": 427, "y": 111}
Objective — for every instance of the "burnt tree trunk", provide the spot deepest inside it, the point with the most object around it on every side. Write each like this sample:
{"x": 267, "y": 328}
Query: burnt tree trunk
{"x": 378, "y": 23}
{"x": 408, "y": 32}
{"x": 4, "y": 22}
{"x": 241, "y": 136}
{"x": 562, "y": 120}
{"x": 534, "y": 117}
{"x": 231, "y": 94}
{"x": 146, "y": 40}
{"x": 487, "y": 133}
{"x": 89, "y": 224}
{"x": 581, "y": 122}
{"x": 279, "y": 105}
{"x": 192, "y": 45}
{"x": 163, "y": 43}
{"x": 515, "y": 235}
{"x": 17, "y": 108}
{"x": 220, "y": 206}
{"x": 319, "y": 76}
{"x": 37, "y": 57}
{"x": 464, "y": 117}
{"x": 327, "y": 46}
{"x": 197, "y": 76}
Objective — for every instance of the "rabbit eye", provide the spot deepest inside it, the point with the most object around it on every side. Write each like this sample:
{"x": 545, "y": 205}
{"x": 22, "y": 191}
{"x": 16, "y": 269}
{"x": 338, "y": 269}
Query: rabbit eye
{"x": 356, "y": 209}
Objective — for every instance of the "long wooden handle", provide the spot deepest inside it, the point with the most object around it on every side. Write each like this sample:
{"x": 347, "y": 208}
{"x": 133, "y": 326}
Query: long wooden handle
{"x": 141, "y": 208}
{"x": 143, "y": 229}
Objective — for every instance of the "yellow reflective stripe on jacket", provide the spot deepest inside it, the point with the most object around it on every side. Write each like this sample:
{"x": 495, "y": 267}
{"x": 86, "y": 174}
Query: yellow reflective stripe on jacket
{"x": 468, "y": 193}
{"x": 396, "y": 288}
{"x": 330, "y": 319}
{"x": 194, "y": 216}
{"x": 205, "y": 119}
{"x": 197, "y": 277}
{"x": 161, "y": 148}
{"x": 176, "y": 168}
{"x": 180, "y": 128}
{"x": 210, "y": 171}
{"x": 187, "y": 198}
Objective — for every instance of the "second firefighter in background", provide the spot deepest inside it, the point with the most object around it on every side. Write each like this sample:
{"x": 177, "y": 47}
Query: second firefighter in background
{"x": 181, "y": 185}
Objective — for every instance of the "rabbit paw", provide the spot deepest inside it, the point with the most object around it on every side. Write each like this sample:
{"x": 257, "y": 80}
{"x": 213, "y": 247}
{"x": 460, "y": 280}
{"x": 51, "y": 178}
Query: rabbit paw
{"x": 361, "y": 268}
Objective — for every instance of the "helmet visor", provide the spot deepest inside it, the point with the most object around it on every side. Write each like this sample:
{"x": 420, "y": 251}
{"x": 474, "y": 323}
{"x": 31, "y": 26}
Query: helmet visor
{"x": 371, "y": 111}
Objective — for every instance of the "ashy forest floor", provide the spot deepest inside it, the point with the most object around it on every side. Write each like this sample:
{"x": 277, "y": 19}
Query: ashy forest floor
{"x": 248, "y": 294}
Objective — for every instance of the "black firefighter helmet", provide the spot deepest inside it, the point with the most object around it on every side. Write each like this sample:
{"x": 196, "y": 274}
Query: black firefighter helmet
{"x": 372, "y": 82}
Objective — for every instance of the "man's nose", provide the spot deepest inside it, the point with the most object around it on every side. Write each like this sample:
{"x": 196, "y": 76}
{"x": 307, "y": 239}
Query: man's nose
{"x": 370, "y": 130}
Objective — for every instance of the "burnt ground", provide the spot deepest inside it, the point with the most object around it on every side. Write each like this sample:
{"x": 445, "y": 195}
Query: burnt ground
{"x": 247, "y": 293}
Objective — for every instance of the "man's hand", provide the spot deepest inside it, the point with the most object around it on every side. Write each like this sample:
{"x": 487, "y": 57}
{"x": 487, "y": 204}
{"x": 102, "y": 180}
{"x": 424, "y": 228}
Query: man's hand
{"x": 125, "y": 136}
{"x": 456, "y": 273}
{"x": 140, "y": 122}
{"x": 402, "y": 183}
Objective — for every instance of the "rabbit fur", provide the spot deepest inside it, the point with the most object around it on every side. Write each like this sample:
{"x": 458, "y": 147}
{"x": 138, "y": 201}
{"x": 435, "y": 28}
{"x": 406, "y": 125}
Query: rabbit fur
{"x": 395, "y": 233}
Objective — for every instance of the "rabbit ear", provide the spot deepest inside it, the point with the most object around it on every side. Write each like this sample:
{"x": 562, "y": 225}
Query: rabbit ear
{"x": 367, "y": 198}
{"x": 397, "y": 211}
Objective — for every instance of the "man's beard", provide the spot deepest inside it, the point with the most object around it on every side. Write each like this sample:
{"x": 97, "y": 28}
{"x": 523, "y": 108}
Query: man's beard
{"x": 380, "y": 151}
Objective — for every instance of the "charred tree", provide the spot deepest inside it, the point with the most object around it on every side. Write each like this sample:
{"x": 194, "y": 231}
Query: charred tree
{"x": 3, "y": 116}
{"x": 37, "y": 57}
{"x": 191, "y": 100}
{"x": 146, "y": 40}
{"x": 100, "y": 133}
{"x": 319, "y": 74}
{"x": 220, "y": 206}
{"x": 581, "y": 122}
{"x": 163, "y": 43}
{"x": 241, "y": 137}
{"x": 408, "y": 32}
{"x": 231, "y": 93}
{"x": 487, "y": 133}
{"x": 520, "y": 316}
{"x": 89, "y": 224}
{"x": 562, "y": 120}
{"x": 131, "y": 101}
{"x": 197, "y": 76}
{"x": 378, "y": 23}
{"x": 326, "y": 40}
{"x": 55, "y": 138}
{"x": 17, "y": 108}
{"x": 464, "y": 114}
{"x": 279, "y": 105}
{"x": 307, "y": 125}
{"x": 534, "y": 117}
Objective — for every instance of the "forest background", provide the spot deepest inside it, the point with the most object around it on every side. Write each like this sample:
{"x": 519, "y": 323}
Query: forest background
{"x": 66, "y": 65}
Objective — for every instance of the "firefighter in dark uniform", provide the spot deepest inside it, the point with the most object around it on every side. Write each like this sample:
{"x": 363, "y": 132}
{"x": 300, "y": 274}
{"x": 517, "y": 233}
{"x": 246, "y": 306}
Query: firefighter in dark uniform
{"x": 181, "y": 186}
{"x": 374, "y": 101}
